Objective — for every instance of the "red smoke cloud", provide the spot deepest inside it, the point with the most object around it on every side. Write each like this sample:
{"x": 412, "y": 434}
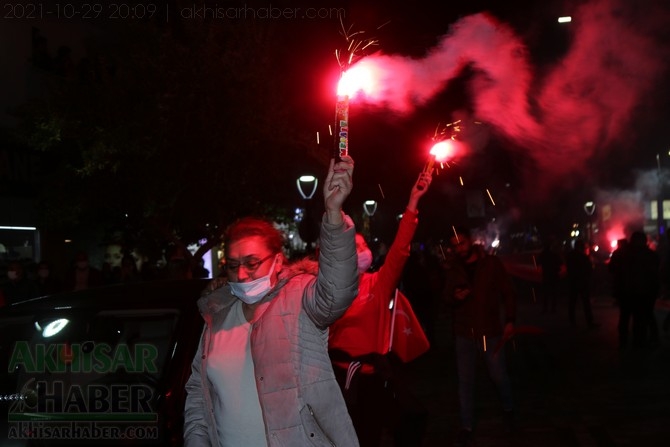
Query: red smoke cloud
{"x": 580, "y": 107}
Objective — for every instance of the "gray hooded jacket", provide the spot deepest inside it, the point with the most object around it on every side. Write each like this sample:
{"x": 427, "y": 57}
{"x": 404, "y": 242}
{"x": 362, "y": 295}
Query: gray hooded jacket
{"x": 300, "y": 399}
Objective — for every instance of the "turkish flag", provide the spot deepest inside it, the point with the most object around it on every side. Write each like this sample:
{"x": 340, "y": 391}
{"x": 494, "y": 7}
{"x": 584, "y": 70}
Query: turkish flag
{"x": 407, "y": 338}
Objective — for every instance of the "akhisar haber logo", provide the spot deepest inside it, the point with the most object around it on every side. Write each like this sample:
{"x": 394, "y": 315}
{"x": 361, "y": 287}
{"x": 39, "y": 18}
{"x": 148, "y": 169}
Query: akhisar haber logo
{"x": 83, "y": 358}
{"x": 84, "y": 382}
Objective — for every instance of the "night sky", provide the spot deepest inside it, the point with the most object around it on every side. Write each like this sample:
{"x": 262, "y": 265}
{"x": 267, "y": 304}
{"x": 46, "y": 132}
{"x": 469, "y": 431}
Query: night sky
{"x": 555, "y": 113}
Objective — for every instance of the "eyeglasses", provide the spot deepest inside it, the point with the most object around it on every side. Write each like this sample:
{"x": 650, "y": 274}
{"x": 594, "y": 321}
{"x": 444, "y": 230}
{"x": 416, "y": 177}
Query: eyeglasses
{"x": 250, "y": 265}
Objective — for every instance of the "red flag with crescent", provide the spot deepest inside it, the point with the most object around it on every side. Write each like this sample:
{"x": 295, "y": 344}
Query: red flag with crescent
{"x": 407, "y": 338}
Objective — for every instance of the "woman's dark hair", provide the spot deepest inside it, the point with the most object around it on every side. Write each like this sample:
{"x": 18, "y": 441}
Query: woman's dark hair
{"x": 254, "y": 226}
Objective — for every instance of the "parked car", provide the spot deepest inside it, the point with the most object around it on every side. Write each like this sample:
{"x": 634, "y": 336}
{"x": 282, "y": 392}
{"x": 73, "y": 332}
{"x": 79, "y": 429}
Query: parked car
{"x": 103, "y": 366}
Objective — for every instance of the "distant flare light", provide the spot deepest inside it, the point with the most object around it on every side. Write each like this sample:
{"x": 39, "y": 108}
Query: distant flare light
{"x": 447, "y": 145}
{"x": 439, "y": 152}
{"x": 443, "y": 150}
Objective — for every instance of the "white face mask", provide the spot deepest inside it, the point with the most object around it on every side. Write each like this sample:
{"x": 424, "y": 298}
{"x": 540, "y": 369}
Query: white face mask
{"x": 252, "y": 292}
{"x": 364, "y": 260}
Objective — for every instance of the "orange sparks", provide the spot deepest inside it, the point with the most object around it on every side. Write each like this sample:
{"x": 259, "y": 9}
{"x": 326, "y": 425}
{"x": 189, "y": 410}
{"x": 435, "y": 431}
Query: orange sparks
{"x": 490, "y": 197}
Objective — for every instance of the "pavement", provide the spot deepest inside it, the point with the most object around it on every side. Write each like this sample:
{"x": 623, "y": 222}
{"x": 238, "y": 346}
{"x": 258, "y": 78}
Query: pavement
{"x": 573, "y": 387}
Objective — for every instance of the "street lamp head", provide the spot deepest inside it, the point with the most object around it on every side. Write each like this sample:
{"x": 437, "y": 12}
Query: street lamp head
{"x": 589, "y": 207}
{"x": 304, "y": 180}
{"x": 370, "y": 207}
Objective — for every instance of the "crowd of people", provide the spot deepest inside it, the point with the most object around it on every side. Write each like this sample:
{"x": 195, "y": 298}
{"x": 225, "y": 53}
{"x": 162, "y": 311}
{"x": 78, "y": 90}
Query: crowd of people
{"x": 25, "y": 279}
{"x": 303, "y": 352}
{"x": 636, "y": 285}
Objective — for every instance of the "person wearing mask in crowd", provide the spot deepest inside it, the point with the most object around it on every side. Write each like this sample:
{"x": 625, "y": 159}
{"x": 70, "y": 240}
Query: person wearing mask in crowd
{"x": 477, "y": 287}
{"x": 261, "y": 375}
{"x": 83, "y": 275}
{"x": 18, "y": 287}
{"x": 579, "y": 272}
{"x": 358, "y": 341}
{"x": 47, "y": 283}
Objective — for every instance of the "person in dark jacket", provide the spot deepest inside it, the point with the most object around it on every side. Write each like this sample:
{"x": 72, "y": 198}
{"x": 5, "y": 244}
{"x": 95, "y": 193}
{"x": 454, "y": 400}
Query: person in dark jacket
{"x": 551, "y": 263}
{"x": 580, "y": 270}
{"x": 476, "y": 284}
{"x": 18, "y": 287}
{"x": 617, "y": 269}
{"x": 642, "y": 268}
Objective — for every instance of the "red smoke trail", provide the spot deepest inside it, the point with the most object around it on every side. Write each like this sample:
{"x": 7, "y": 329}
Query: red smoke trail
{"x": 590, "y": 98}
{"x": 582, "y": 106}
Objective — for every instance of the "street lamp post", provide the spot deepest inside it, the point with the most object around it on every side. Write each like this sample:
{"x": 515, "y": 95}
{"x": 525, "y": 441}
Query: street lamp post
{"x": 305, "y": 180}
{"x": 308, "y": 231}
{"x": 589, "y": 209}
{"x": 369, "y": 209}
